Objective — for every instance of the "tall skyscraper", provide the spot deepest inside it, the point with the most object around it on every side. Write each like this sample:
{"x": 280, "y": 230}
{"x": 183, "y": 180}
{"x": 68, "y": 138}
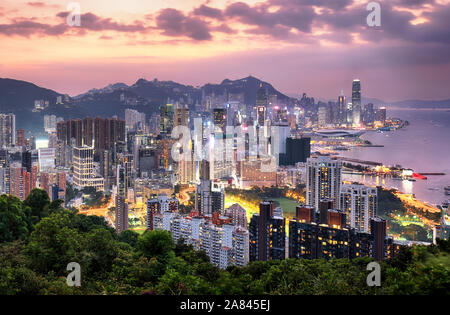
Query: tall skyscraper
{"x": 297, "y": 150}
{"x": 7, "y": 130}
{"x": 323, "y": 180}
{"x": 378, "y": 231}
{"x": 83, "y": 169}
{"x": 121, "y": 200}
{"x": 342, "y": 109}
{"x": 267, "y": 233}
{"x": 360, "y": 203}
{"x": 356, "y": 102}
{"x": 261, "y": 96}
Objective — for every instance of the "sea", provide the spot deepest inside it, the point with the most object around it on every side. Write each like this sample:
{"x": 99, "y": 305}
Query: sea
{"x": 423, "y": 145}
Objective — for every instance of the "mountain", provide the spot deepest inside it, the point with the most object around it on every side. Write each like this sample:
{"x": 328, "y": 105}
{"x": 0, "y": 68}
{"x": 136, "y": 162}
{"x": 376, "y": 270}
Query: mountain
{"x": 18, "y": 97}
{"x": 248, "y": 86}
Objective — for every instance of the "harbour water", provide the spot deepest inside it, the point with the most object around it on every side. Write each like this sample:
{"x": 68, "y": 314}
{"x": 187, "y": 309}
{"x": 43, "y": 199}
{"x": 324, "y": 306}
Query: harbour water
{"x": 423, "y": 146}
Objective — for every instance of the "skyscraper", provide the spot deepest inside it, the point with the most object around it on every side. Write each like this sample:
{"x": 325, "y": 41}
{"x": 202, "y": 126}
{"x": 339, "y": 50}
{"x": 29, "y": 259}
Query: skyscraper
{"x": 7, "y": 130}
{"x": 356, "y": 102}
{"x": 267, "y": 233}
{"x": 297, "y": 150}
{"x": 83, "y": 169}
{"x": 323, "y": 180}
{"x": 360, "y": 204}
{"x": 342, "y": 109}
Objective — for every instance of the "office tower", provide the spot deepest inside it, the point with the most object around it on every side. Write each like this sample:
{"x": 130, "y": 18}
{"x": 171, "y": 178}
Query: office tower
{"x": 349, "y": 113}
{"x": 181, "y": 117}
{"x": 297, "y": 150}
{"x": 46, "y": 159}
{"x": 260, "y": 115}
{"x": 356, "y": 102}
{"x": 50, "y": 123}
{"x": 378, "y": 232}
{"x": 209, "y": 198}
{"x": 342, "y": 105}
{"x": 121, "y": 212}
{"x": 7, "y": 130}
{"x": 279, "y": 134}
{"x": 166, "y": 122}
{"x": 261, "y": 96}
{"x": 83, "y": 169}
{"x": 368, "y": 114}
{"x": 237, "y": 214}
{"x": 360, "y": 203}
{"x": 380, "y": 115}
{"x": 322, "y": 115}
{"x": 20, "y": 140}
{"x": 220, "y": 119}
{"x": 147, "y": 160}
{"x": 53, "y": 182}
{"x": 323, "y": 180}
{"x": 267, "y": 234}
{"x": 134, "y": 120}
{"x": 27, "y": 160}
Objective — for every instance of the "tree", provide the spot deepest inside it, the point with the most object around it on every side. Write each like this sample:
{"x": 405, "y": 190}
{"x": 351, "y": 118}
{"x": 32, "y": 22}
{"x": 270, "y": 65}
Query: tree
{"x": 130, "y": 237}
{"x": 14, "y": 219}
{"x": 155, "y": 243}
{"x": 39, "y": 203}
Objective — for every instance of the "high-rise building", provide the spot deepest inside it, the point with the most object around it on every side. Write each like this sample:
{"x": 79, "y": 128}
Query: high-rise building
{"x": 209, "y": 198}
{"x": 267, "y": 234}
{"x": 260, "y": 115}
{"x": 378, "y": 231}
{"x": 323, "y": 180}
{"x": 46, "y": 159}
{"x": 237, "y": 214}
{"x": 360, "y": 203}
{"x": 83, "y": 169}
{"x": 261, "y": 96}
{"x": 342, "y": 105}
{"x": 297, "y": 150}
{"x": 167, "y": 119}
{"x": 20, "y": 140}
{"x": 7, "y": 130}
{"x": 356, "y": 102}
{"x": 134, "y": 120}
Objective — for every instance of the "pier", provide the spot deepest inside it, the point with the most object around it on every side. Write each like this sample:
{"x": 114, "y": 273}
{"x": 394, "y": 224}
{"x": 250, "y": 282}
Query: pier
{"x": 361, "y": 161}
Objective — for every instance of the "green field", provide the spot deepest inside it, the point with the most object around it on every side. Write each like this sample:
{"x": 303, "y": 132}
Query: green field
{"x": 288, "y": 206}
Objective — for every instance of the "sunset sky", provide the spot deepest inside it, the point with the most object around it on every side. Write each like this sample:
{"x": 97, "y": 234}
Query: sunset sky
{"x": 312, "y": 46}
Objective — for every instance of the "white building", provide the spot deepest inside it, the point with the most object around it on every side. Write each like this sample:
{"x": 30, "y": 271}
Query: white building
{"x": 46, "y": 159}
{"x": 360, "y": 204}
{"x": 323, "y": 180}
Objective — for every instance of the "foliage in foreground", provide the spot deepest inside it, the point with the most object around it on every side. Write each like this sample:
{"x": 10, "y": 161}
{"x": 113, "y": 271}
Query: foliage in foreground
{"x": 38, "y": 239}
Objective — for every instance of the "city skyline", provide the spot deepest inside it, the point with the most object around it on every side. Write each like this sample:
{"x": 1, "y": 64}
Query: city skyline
{"x": 196, "y": 42}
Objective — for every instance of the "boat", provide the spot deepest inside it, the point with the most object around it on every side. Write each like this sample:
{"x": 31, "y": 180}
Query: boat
{"x": 418, "y": 176}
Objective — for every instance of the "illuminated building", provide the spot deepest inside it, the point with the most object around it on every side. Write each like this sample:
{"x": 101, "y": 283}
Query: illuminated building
{"x": 360, "y": 203}
{"x": 267, "y": 234}
{"x": 261, "y": 115}
{"x": 237, "y": 214}
{"x": 83, "y": 169}
{"x": 323, "y": 180}
{"x": 342, "y": 107}
{"x": 7, "y": 130}
{"x": 46, "y": 159}
{"x": 20, "y": 140}
{"x": 167, "y": 120}
{"x": 356, "y": 102}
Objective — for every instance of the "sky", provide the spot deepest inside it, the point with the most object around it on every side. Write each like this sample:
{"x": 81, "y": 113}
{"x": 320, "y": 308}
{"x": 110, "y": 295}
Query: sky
{"x": 299, "y": 46}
